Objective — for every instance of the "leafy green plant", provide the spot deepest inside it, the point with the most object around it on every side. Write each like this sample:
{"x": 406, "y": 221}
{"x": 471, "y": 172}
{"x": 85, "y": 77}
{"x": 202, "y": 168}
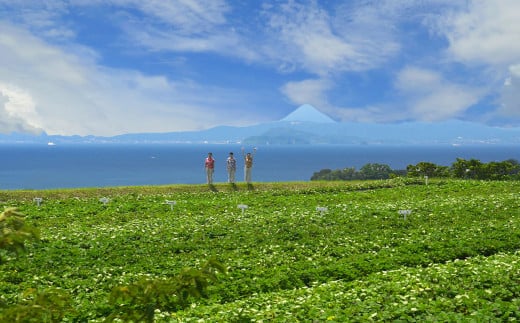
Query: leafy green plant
{"x": 14, "y": 232}
{"x": 48, "y": 306}
{"x": 51, "y": 305}
{"x": 286, "y": 260}
{"x": 138, "y": 302}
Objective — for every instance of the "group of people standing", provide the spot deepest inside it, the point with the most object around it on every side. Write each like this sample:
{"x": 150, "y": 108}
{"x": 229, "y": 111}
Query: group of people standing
{"x": 231, "y": 166}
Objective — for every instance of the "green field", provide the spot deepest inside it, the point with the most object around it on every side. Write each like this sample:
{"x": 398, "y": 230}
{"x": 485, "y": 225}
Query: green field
{"x": 299, "y": 252}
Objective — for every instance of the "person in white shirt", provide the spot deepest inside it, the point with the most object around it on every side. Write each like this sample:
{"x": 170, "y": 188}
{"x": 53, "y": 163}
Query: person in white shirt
{"x": 231, "y": 166}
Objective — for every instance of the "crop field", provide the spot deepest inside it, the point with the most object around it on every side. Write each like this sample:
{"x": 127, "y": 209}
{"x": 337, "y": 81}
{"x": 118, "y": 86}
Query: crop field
{"x": 393, "y": 250}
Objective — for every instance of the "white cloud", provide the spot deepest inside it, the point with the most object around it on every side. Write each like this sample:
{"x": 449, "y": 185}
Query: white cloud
{"x": 482, "y": 35}
{"x": 19, "y": 105}
{"x": 430, "y": 97}
{"x": 486, "y": 36}
{"x": 188, "y": 16}
{"x": 487, "y": 32}
{"x": 323, "y": 44}
{"x": 225, "y": 43}
{"x": 181, "y": 26}
{"x": 175, "y": 25}
{"x": 421, "y": 95}
{"x": 296, "y": 36}
{"x": 510, "y": 96}
{"x": 304, "y": 36}
{"x": 42, "y": 17}
{"x": 312, "y": 91}
{"x": 64, "y": 93}
{"x": 14, "y": 107}
{"x": 191, "y": 25}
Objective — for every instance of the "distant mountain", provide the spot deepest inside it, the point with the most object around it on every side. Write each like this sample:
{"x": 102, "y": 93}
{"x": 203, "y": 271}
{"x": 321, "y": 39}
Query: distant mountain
{"x": 307, "y": 113}
{"x": 306, "y": 125}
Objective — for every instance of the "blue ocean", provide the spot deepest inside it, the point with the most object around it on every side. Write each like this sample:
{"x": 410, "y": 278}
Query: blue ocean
{"x": 107, "y": 165}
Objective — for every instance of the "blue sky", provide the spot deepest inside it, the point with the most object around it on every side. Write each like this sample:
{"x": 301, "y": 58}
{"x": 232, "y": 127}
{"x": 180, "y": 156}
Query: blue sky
{"x": 107, "y": 67}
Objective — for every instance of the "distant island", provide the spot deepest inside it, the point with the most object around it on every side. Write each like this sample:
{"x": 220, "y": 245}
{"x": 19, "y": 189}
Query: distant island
{"x": 304, "y": 126}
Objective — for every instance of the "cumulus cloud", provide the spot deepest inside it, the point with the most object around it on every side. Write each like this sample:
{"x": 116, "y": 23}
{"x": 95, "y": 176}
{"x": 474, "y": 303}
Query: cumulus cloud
{"x": 482, "y": 35}
{"x": 431, "y": 97}
{"x": 13, "y": 105}
{"x": 72, "y": 94}
{"x": 420, "y": 95}
{"x": 486, "y": 32}
{"x": 319, "y": 50}
{"x": 485, "y": 36}
{"x": 359, "y": 36}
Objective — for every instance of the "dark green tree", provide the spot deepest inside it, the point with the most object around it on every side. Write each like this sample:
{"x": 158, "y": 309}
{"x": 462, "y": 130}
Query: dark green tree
{"x": 427, "y": 169}
{"x": 348, "y": 173}
{"x": 375, "y": 171}
{"x": 323, "y": 174}
{"x": 499, "y": 170}
{"x": 469, "y": 169}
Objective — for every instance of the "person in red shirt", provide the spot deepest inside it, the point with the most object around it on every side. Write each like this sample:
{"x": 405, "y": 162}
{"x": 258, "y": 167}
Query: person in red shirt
{"x": 209, "y": 167}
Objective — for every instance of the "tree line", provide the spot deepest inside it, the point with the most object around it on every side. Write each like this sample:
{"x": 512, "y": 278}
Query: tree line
{"x": 461, "y": 168}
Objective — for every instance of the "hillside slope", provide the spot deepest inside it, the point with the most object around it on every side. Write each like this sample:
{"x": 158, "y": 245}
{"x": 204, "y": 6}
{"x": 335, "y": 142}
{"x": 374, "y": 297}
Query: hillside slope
{"x": 341, "y": 251}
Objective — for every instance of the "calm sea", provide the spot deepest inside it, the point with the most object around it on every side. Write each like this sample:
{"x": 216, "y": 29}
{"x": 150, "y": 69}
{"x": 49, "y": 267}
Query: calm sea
{"x": 71, "y": 166}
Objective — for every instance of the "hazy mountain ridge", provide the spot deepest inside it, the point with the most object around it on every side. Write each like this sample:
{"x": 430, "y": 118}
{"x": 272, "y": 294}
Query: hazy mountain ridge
{"x": 306, "y": 125}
